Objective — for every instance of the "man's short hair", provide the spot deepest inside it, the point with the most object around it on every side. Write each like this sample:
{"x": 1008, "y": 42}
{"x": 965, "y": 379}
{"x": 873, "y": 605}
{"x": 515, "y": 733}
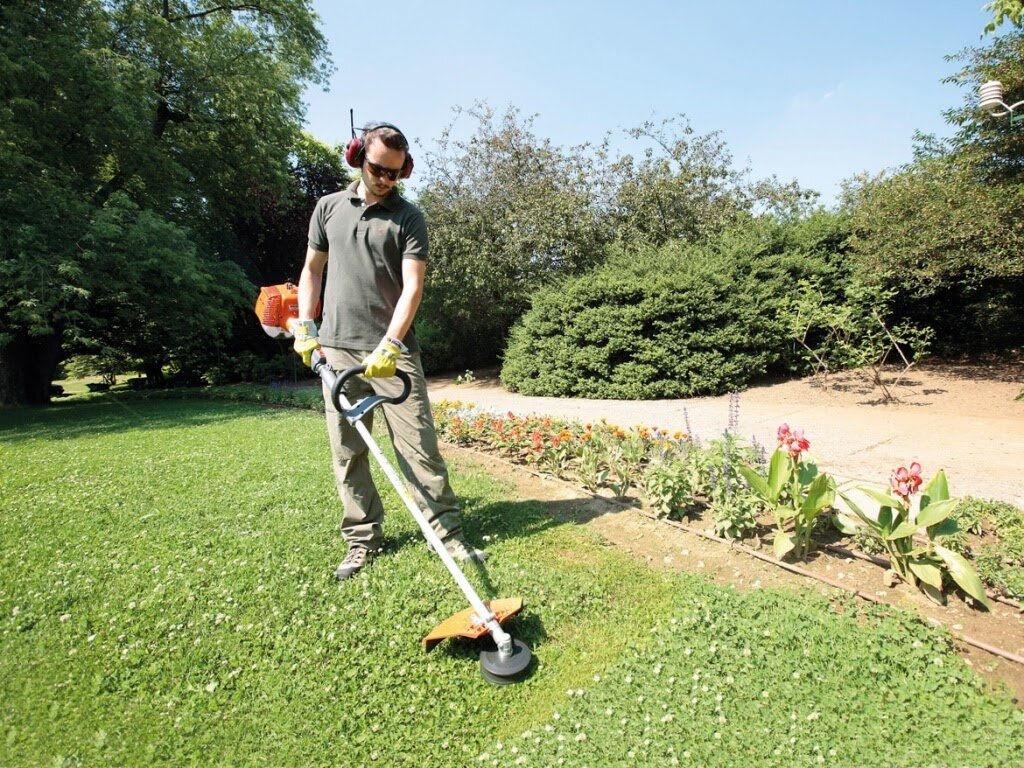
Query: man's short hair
{"x": 391, "y": 137}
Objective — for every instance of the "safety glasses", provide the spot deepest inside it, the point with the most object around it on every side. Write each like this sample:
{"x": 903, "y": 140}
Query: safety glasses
{"x": 383, "y": 173}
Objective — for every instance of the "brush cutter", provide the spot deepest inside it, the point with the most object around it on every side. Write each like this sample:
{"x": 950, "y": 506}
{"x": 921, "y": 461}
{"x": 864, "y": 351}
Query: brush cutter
{"x": 503, "y": 658}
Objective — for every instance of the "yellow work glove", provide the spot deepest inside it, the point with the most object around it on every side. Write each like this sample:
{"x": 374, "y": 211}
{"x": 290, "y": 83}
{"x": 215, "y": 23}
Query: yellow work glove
{"x": 381, "y": 362}
{"x": 306, "y": 339}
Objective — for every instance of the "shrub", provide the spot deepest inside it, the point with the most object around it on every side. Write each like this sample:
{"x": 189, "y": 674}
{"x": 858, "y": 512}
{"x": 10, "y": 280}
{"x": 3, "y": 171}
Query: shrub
{"x": 261, "y": 369}
{"x": 677, "y": 321}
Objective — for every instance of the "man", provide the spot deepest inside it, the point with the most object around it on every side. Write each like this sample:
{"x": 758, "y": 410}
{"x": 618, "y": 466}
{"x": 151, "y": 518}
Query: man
{"x": 373, "y": 243}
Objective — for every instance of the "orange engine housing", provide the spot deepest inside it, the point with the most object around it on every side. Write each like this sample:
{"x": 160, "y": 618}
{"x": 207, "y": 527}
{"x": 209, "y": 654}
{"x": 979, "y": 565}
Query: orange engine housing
{"x": 276, "y": 307}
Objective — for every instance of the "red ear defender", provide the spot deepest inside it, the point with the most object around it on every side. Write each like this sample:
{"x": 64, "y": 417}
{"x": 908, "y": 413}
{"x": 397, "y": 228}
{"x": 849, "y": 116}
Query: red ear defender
{"x": 355, "y": 152}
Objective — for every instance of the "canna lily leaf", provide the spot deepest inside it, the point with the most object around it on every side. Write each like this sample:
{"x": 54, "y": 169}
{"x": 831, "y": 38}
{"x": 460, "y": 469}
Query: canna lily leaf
{"x": 947, "y": 527}
{"x": 806, "y": 472}
{"x": 757, "y": 483}
{"x": 902, "y": 531}
{"x": 858, "y": 511}
{"x": 845, "y": 524}
{"x": 927, "y": 572}
{"x": 936, "y": 490}
{"x": 778, "y": 473}
{"x": 885, "y": 518}
{"x": 882, "y": 498}
{"x": 783, "y": 544}
{"x": 821, "y": 494}
{"x": 963, "y": 574}
{"x": 935, "y": 512}
{"x": 935, "y": 595}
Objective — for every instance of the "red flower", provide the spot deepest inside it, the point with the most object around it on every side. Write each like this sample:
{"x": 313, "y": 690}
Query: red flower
{"x": 792, "y": 441}
{"x": 906, "y": 482}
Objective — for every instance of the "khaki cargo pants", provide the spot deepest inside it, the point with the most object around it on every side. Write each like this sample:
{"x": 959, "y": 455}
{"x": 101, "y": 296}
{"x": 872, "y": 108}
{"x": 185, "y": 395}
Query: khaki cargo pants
{"x": 411, "y": 426}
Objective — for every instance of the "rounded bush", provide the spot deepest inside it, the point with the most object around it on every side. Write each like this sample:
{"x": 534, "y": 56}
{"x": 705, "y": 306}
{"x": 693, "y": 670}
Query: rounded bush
{"x": 676, "y": 322}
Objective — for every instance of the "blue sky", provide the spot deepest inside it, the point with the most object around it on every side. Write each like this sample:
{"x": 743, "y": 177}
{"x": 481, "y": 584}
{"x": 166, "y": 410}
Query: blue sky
{"x": 812, "y": 91}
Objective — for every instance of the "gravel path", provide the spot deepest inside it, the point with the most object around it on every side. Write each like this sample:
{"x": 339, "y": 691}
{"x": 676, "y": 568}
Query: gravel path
{"x": 963, "y": 419}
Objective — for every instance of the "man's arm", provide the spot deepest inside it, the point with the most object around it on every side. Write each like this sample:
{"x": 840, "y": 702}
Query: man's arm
{"x": 413, "y": 273}
{"x": 310, "y": 282}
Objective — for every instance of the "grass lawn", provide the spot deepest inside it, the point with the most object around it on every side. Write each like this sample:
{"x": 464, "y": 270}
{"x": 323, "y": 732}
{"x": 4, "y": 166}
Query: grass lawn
{"x": 166, "y": 598}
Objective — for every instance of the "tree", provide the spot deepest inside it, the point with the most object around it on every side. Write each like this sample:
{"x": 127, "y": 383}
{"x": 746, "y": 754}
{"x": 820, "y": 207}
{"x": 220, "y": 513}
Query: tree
{"x": 220, "y": 89}
{"x": 164, "y": 303}
{"x": 946, "y": 231}
{"x": 950, "y": 244}
{"x": 274, "y": 235}
{"x": 682, "y": 188}
{"x": 179, "y": 105}
{"x": 507, "y": 213}
{"x": 991, "y": 146}
{"x": 55, "y": 116}
{"x": 1002, "y": 10}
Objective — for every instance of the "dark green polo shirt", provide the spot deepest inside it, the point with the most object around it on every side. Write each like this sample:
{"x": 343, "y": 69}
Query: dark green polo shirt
{"x": 365, "y": 247}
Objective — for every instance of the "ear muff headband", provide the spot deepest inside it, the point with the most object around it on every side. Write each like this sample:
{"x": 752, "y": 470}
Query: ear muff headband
{"x": 355, "y": 152}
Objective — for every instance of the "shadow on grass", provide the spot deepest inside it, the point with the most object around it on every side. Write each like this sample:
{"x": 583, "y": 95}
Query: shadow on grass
{"x": 505, "y": 521}
{"x": 526, "y": 518}
{"x": 112, "y": 414}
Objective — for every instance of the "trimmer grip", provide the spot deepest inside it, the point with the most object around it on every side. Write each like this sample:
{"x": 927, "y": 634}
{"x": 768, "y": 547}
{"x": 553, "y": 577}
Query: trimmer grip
{"x": 345, "y": 375}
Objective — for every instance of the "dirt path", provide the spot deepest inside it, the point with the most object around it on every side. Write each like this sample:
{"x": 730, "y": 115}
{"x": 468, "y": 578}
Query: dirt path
{"x": 963, "y": 419}
{"x": 957, "y": 419}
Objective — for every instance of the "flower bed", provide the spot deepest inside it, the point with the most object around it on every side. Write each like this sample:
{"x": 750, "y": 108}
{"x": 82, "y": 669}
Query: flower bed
{"x": 737, "y": 488}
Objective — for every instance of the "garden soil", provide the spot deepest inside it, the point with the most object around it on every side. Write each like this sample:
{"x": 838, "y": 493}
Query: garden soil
{"x": 960, "y": 418}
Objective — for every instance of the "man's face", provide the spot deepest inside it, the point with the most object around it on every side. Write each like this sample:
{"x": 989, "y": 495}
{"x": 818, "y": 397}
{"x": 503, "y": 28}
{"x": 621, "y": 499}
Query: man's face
{"x": 381, "y": 162}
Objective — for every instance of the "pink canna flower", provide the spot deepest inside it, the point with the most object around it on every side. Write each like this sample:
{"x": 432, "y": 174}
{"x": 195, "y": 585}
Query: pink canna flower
{"x": 792, "y": 441}
{"x": 906, "y": 482}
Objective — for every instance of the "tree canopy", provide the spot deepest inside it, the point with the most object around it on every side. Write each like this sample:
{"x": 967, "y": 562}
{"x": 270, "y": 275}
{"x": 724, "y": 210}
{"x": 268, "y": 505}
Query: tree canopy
{"x": 507, "y": 212}
{"x": 177, "y": 106}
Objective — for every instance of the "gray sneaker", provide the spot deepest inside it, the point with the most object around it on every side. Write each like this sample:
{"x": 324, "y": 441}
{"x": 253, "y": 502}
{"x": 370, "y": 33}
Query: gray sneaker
{"x": 356, "y": 559}
{"x": 463, "y": 551}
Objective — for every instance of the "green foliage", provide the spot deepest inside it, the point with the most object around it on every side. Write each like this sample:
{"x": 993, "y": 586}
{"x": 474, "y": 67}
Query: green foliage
{"x": 107, "y": 366}
{"x": 1004, "y": 10}
{"x": 220, "y": 90}
{"x": 944, "y": 232}
{"x": 499, "y": 229}
{"x": 735, "y": 515}
{"x": 851, "y": 330}
{"x": 947, "y": 245}
{"x": 795, "y": 493}
{"x": 667, "y": 490}
{"x": 636, "y": 329}
{"x": 158, "y": 300}
{"x": 720, "y": 482}
{"x": 166, "y": 599}
{"x": 56, "y": 102}
{"x": 1000, "y": 562}
{"x": 676, "y": 321}
{"x": 275, "y": 365}
{"x": 178, "y": 108}
{"x": 682, "y": 188}
{"x": 273, "y": 235}
{"x": 928, "y": 566}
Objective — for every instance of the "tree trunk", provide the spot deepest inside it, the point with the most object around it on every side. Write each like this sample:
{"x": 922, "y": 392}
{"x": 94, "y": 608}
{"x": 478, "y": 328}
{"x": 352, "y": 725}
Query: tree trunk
{"x": 27, "y": 367}
{"x": 154, "y": 371}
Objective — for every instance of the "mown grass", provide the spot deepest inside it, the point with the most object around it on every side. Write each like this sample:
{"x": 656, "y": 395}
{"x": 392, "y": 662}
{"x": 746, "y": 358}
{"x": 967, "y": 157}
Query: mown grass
{"x": 166, "y": 598}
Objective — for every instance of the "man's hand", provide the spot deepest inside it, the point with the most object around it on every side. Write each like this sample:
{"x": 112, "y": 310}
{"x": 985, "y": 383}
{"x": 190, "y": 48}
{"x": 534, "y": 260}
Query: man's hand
{"x": 381, "y": 362}
{"x": 306, "y": 340}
